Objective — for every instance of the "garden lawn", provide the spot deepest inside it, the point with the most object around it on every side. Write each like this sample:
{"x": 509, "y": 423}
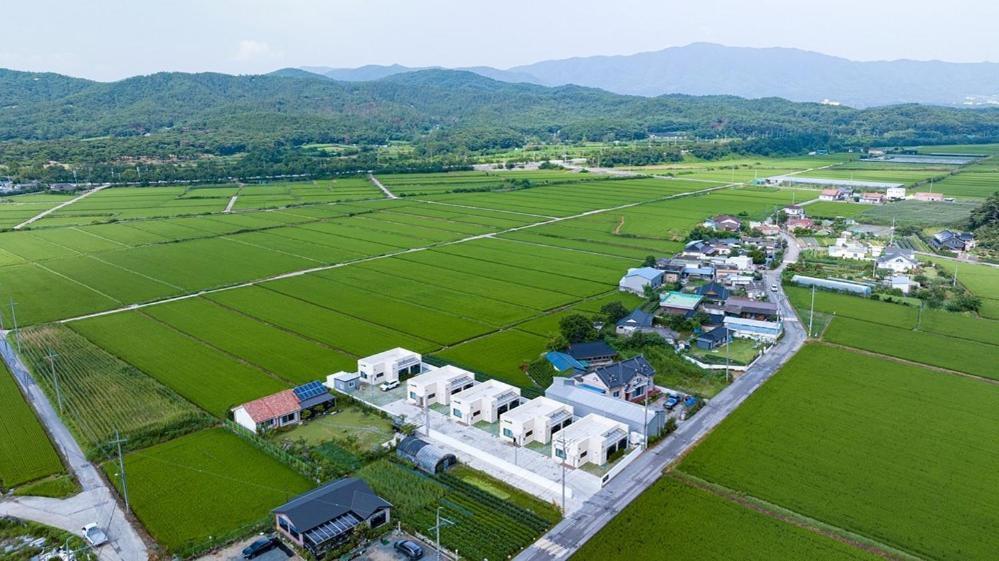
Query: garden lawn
{"x": 210, "y": 484}
{"x": 672, "y": 520}
{"x": 356, "y": 428}
{"x": 853, "y": 441}
{"x": 26, "y": 454}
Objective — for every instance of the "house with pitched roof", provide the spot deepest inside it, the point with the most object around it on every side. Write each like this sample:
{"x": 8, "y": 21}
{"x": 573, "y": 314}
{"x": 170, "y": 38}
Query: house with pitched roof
{"x": 636, "y": 280}
{"x": 953, "y": 241}
{"x": 324, "y": 518}
{"x": 898, "y": 260}
{"x": 628, "y": 380}
{"x": 283, "y": 408}
{"x": 593, "y": 353}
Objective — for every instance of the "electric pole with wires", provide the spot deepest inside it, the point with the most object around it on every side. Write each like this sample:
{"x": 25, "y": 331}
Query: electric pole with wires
{"x": 437, "y": 529}
{"x": 51, "y": 357}
{"x": 118, "y": 441}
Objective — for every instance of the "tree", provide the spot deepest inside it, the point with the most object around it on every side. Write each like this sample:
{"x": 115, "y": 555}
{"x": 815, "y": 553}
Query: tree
{"x": 650, "y": 261}
{"x": 577, "y": 328}
{"x": 615, "y": 311}
{"x": 758, "y": 256}
{"x": 987, "y": 214}
{"x": 965, "y": 303}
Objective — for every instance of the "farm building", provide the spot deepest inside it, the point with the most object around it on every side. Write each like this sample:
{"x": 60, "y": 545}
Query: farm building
{"x": 584, "y": 402}
{"x": 591, "y": 439}
{"x": 680, "y": 303}
{"x": 638, "y": 319}
{"x": 767, "y": 331}
{"x": 751, "y": 309}
{"x": 484, "y": 402}
{"x": 832, "y": 284}
{"x": 324, "y": 518}
{"x": 388, "y": 366}
{"x": 929, "y": 197}
{"x": 830, "y": 182}
{"x": 637, "y": 279}
{"x": 628, "y": 380}
{"x": 898, "y": 260}
{"x": 534, "y": 421}
{"x": 710, "y": 340}
{"x": 283, "y": 408}
{"x": 438, "y": 385}
{"x": 424, "y": 455}
{"x": 346, "y": 382}
{"x": 593, "y": 353}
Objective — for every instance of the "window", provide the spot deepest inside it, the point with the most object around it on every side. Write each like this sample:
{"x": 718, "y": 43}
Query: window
{"x": 559, "y": 453}
{"x": 288, "y": 418}
{"x": 617, "y": 394}
{"x": 583, "y": 455}
{"x": 431, "y": 396}
{"x": 508, "y": 433}
{"x": 528, "y": 433}
{"x": 456, "y": 412}
{"x": 412, "y": 395}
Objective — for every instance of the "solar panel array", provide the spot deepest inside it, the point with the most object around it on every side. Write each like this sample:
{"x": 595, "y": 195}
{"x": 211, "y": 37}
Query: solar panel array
{"x": 310, "y": 390}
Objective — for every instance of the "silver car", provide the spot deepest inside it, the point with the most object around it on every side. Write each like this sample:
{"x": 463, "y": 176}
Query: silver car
{"x": 94, "y": 535}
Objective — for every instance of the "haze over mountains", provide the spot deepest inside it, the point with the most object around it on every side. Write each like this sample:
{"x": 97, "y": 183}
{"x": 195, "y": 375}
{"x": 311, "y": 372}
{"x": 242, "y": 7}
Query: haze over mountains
{"x": 710, "y": 69}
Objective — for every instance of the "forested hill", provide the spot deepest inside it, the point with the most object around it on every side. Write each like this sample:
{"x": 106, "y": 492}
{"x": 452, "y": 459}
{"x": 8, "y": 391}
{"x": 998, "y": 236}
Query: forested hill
{"x": 455, "y": 108}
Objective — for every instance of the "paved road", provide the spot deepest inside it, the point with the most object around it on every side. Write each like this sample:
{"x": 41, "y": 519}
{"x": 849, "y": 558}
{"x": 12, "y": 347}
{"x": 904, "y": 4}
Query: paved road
{"x": 45, "y": 213}
{"x": 95, "y": 503}
{"x": 573, "y": 531}
{"x": 388, "y": 194}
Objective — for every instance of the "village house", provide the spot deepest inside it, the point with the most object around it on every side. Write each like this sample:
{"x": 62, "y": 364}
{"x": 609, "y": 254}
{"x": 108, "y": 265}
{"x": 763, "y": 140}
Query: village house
{"x": 389, "y": 366}
{"x": 794, "y": 224}
{"x": 679, "y": 303}
{"x": 636, "y": 280}
{"x": 534, "y": 421}
{"x": 484, "y": 402}
{"x": 794, "y": 211}
{"x": 897, "y": 260}
{"x": 638, "y": 418}
{"x": 895, "y": 193}
{"x": 672, "y": 269}
{"x": 929, "y": 197}
{"x": 710, "y": 340}
{"x": 834, "y": 194}
{"x": 953, "y": 241}
{"x": 326, "y": 517}
{"x": 873, "y": 198}
{"x": 766, "y": 331}
{"x": 713, "y": 292}
{"x": 593, "y": 353}
{"x": 628, "y": 380}
{"x": 284, "y": 408}
{"x": 724, "y": 223}
{"x": 846, "y": 248}
{"x": 901, "y": 282}
{"x": 751, "y": 309}
{"x": 638, "y": 319}
{"x": 591, "y": 439}
{"x": 438, "y": 385}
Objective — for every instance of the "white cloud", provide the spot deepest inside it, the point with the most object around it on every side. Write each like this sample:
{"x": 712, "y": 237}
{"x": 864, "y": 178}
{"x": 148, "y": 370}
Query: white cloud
{"x": 249, "y": 50}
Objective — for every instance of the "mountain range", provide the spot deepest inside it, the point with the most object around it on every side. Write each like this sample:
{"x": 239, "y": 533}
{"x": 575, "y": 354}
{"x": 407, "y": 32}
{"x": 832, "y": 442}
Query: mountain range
{"x": 710, "y": 69}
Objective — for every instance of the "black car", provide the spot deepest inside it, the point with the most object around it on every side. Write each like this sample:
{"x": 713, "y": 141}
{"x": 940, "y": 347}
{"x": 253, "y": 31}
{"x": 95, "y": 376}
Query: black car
{"x": 410, "y": 549}
{"x": 262, "y": 545}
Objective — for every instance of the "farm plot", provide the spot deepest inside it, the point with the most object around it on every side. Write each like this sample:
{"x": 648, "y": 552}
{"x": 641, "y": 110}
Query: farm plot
{"x": 26, "y": 454}
{"x": 197, "y": 491}
{"x": 979, "y": 279}
{"x": 430, "y": 183}
{"x": 859, "y": 172}
{"x": 932, "y": 349}
{"x": 697, "y": 524}
{"x": 210, "y": 378}
{"x": 494, "y": 220}
{"x": 850, "y": 440}
{"x": 916, "y": 213}
{"x": 503, "y": 355}
{"x": 896, "y": 315}
{"x": 122, "y": 285}
{"x": 126, "y": 203}
{"x": 101, "y": 394}
{"x": 487, "y": 526}
{"x": 61, "y": 298}
{"x": 973, "y": 182}
{"x": 339, "y": 331}
{"x": 16, "y": 209}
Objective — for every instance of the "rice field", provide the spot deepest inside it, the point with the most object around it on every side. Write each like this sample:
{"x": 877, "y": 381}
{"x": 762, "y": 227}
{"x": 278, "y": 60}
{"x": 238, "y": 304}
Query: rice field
{"x": 26, "y": 454}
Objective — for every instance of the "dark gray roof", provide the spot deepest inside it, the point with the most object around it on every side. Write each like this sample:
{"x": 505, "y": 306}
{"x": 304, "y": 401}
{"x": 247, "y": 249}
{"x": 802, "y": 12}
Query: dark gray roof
{"x": 333, "y": 500}
{"x": 713, "y": 289}
{"x": 590, "y": 350}
{"x": 716, "y": 334}
{"x": 737, "y": 305}
{"x": 620, "y": 373}
{"x": 638, "y": 318}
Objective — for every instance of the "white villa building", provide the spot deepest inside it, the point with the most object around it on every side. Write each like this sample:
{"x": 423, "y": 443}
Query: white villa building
{"x": 438, "y": 385}
{"x": 534, "y": 421}
{"x": 387, "y": 366}
{"x": 590, "y": 439}
{"x": 484, "y": 402}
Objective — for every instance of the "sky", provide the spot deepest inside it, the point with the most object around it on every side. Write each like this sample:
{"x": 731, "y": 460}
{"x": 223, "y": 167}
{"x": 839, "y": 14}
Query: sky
{"x": 113, "y": 39}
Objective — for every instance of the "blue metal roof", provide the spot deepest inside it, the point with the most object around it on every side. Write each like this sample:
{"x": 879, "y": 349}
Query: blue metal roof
{"x": 647, "y": 273}
{"x": 563, "y": 362}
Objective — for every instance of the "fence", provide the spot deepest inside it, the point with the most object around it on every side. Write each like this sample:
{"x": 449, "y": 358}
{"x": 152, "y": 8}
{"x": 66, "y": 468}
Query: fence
{"x": 621, "y": 465}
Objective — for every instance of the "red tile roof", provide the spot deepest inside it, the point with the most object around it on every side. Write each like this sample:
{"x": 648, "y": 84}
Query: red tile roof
{"x": 272, "y": 406}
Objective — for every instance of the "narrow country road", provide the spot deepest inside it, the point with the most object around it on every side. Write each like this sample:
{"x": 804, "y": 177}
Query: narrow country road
{"x": 388, "y": 194}
{"x": 572, "y": 532}
{"x": 94, "y": 504}
{"x": 45, "y": 213}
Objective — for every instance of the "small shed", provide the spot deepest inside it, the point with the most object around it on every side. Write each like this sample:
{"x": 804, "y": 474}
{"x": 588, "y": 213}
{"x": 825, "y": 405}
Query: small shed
{"x": 346, "y": 382}
{"x": 424, "y": 455}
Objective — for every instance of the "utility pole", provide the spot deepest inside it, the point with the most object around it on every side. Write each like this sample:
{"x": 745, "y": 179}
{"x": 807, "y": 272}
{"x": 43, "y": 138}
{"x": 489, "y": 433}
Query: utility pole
{"x": 645, "y": 427}
{"x": 728, "y": 341}
{"x": 17, "y": 337}
{"x": 437, "y": 529}
{"x": 118, "y": 440}
{"x": 811, "y": 313}
{"x": 55, "y": 377}
{"x": 426, "y": 417}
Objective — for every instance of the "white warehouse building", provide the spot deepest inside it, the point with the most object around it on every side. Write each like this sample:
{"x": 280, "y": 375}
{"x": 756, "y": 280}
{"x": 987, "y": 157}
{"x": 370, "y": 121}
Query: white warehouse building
{"x": 484, "y": 402}
{"x": 388, "y": 366}
{"x": 438, "y": 385}
{"x": 590, "y": 439}
{"x": 534, "y": 421}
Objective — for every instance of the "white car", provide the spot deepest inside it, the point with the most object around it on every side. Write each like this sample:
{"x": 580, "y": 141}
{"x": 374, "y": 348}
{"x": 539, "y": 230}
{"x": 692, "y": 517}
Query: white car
{"x": 386, "y": 386}
{"x": 94, "y": 535}
{"x": 773, "y": 288}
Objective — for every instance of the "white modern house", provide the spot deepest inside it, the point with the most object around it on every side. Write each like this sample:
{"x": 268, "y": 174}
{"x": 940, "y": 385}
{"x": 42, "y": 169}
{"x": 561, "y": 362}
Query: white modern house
{"x": 389, "y": 365}
{"x": 898, "y": 260}
{"x": 845, "y": 248}
{"x": 591, "y": 439}
{"x": 438, "y": 385}
{"x": 484, "y": 402}
{"x": 534, "y": 421}
{"x": 637, "y": 279}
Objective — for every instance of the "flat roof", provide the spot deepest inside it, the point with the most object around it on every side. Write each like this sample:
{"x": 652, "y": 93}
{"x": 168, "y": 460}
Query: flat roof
{"x": 391, "y": 354}
{"x": 565, "y": 390}
{"x": 446, "y": 372}
{"x": 590, "y": 426}
{"x": 537, "y": 407}
{"x": 487, "y": 389}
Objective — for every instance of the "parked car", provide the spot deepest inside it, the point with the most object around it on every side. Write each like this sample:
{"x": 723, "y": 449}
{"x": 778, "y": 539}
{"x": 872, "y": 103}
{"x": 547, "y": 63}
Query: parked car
{"x": 773, "y": 287}
{"x": 94, "y": 535}
{"x": 410, "y": 549}
{"x": 259, "y": 547}
{"x": 671, "y": 401}
{"x": 386, "y": 386}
